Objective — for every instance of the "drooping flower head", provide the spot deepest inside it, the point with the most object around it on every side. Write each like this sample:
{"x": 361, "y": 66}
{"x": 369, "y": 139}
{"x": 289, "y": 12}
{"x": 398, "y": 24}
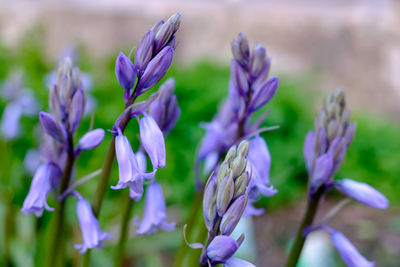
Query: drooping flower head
{"x": 155, "y": 217}
{"x": 92, "y": 235}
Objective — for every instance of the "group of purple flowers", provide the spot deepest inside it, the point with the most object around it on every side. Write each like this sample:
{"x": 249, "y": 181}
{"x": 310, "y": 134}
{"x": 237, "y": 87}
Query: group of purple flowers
{"x": 234, "y": 154}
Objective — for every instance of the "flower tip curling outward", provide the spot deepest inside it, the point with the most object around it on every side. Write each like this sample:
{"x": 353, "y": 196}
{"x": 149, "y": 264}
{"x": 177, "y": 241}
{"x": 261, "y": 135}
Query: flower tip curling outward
{"x": 153, "y": 141}
{"x": 36, "y": 200}
{"x": 155, "y": 216}
{"x": 348, "y": 252}
{"x": 125, "y": 72}
{"x": 92, "y": 235}
{"x": 362, "y": 193}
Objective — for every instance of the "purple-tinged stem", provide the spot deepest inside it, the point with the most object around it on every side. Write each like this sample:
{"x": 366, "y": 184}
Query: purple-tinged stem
{"x": 298, "y": 244}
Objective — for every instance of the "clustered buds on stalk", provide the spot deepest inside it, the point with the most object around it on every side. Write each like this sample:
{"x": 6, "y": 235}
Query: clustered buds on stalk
{"x": 224, "y": 201}
{"x": 326, "y": 146}
{"x": 249, "y": 90}
{"x": 153, "y": 57}
{"x": 67, "y": 102}
{"x": 324, "y": 150}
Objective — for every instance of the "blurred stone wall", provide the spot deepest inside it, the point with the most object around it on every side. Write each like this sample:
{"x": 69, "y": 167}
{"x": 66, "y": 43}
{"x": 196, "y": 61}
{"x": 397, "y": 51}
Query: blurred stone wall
{"x": 354, "y": 44}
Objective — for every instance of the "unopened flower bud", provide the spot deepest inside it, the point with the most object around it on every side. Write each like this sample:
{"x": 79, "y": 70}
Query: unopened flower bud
{"x": 232, "y": 216}
{"x": 243, "y": 148}
{"x": 238, "y": 165}
{"x": 209, "y": 203}
{"x": 241, "y": 184}
{"x": 144, "y": 51}
{"x": 225, "y": 192}
{"x": 223, "y": 171}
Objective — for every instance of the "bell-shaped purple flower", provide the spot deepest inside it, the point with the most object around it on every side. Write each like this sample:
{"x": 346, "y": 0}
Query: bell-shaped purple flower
{"x": 348, "y": 252}
{"x": 10, "y": 126}
{"x": 136, "y": 189}
{"x": 91, "y": 139}
{"x": 362, "y": 193}
{"x": 42, "y": 182}
{"x": 222, "y": 248}
{"x": 235, "y": 262}
{"x": 155, "y": 216}
{"x": 92, "y": 235}
{"x": 153, "y": 141}
{"x": 130, "y": 173}
{"x": 125, "y": 72}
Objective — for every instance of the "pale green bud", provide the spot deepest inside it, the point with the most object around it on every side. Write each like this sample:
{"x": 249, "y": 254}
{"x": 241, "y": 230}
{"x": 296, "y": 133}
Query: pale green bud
{"x": 225, "y": 192}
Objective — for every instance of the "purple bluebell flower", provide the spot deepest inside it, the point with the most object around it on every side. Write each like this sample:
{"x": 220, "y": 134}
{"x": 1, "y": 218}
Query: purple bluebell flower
{"x": 347, "y": 251}
{"x": 36, "y": 200}
{"x": 20, "y": 102}
{"x": 130, "y": 173}
{"x": 164, "y": 109}
{"x": 92, "y": 235}
{"x": 51, "y": 127}
{"x": 222, "y": 248}
{"x": 362, "y": 193}
{"x": 76, "y": 109}
{"x": 144, "y": 51}
{"x": 10, "y": 126}
{"x": 90, "y": 140}
{"x": 136, "y": 189}
{"x": 232, "y": 216}
{"x": 155, "y": 216}
{"x": 249, "y": 90}
{"x": 125, "y": 72}
{"x": 156, "y": 69}
{"x": 235, "y": 262}
{"x": 153, "y": 141}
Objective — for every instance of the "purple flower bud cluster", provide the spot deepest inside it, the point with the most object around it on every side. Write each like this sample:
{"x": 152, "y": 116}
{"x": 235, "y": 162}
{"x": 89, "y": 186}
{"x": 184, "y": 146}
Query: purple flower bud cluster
{"x": 67, "y": 102}
{"x": 249, "y": 90}
{"x": 326, "y": 146}
{"x": 324, "y": 150}
{"x": 159, "y": 117}
{"x": 153, "y": 57}
{"x": 225, "y": 199}
{"x": 20, "y": 102}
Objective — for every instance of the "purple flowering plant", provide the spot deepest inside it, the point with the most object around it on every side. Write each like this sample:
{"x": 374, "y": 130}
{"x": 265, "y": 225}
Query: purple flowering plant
{"x": 233, "y": 156}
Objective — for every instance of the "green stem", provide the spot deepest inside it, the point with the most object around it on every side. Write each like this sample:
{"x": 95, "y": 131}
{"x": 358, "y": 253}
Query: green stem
{"x": 312, "y": 206}
{"x": 124, "y": 232}
{"x": 105, "y": 176}
{"x": 57, "y": 233}
{"x": 194, "y": 212}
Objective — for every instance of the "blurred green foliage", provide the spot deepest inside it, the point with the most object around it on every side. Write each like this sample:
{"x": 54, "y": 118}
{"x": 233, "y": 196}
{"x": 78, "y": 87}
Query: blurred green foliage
{"x": 373, "y": 157}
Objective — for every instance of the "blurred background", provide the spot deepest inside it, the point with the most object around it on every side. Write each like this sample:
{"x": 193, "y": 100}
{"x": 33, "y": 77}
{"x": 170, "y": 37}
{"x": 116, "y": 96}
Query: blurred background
{"x": 315, "y": 46}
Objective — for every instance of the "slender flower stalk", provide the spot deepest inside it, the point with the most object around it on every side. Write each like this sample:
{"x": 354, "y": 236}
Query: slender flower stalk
{"x": 152, "y": 59}
{"x": 324, "y": 150}
{"x": 250, "y": 89}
